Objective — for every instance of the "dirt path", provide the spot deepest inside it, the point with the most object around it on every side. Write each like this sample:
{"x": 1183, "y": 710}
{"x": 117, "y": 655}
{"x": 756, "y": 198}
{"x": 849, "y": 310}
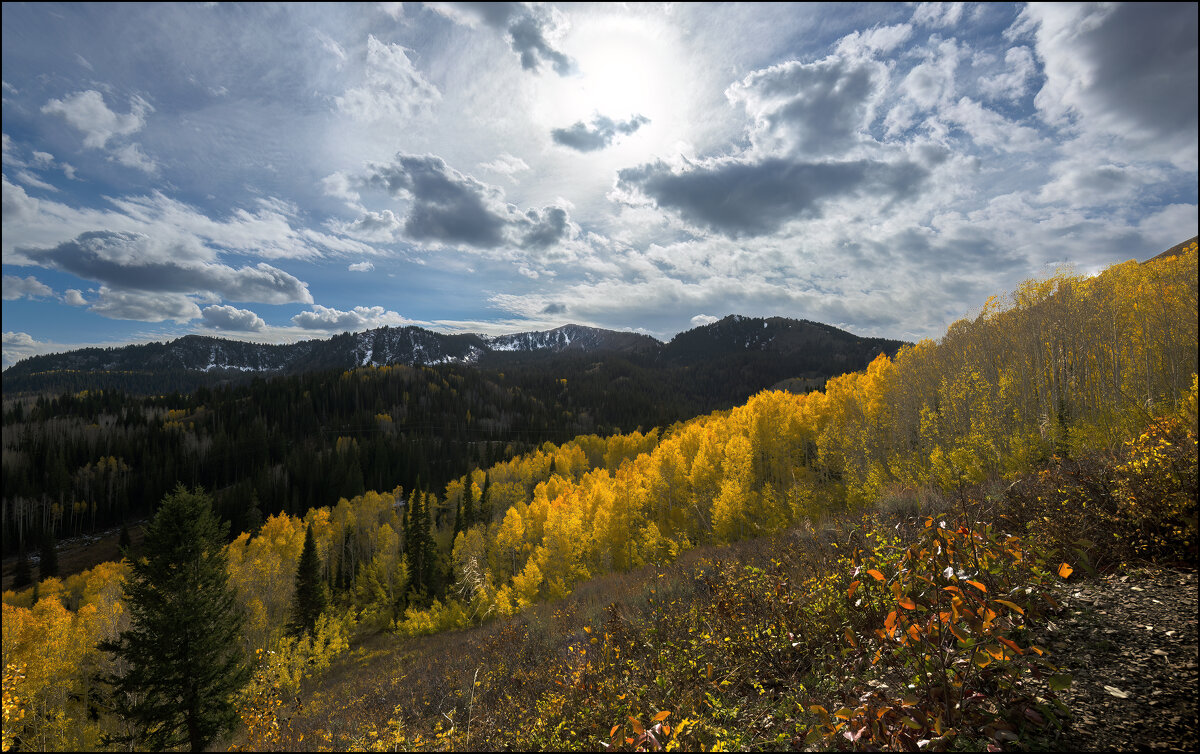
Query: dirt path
{"x": 1130, "y": 642}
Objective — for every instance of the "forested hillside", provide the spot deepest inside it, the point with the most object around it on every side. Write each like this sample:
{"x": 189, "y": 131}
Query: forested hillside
{"x": 1055, "y": 431}
{"x": 94, "y": 459}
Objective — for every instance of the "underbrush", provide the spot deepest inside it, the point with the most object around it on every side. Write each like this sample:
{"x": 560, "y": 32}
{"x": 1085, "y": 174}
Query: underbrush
{"x": 879, "y": 631}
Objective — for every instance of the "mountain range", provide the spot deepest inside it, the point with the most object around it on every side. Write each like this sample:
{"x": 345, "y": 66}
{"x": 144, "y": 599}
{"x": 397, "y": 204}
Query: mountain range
{"x": 794, "y": 348}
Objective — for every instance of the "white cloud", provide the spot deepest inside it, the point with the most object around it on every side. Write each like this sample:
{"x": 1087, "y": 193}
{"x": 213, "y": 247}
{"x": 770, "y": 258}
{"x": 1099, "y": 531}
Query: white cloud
{"x": 1011, "y": 83}
{"x": 703, "y": 319}
{"x": 506, "y": 165}
{"x": 879, "y": 39}
{"x": 988, "y": 128}
{"x": 931, "y": 82}
{"x": 29, "y": 179}
{"x": 358, "y": 318}
{"x": 87, "y": 112}
{"x": 131, "y": 155}
{"x": 21, "y": 345}
{"x": 332, "y": 47}
{"x": 74, "y": 297}
{"x": 266, "y": 232}
{"x": 373, "y": 226}
{"x": 394, "y": 88}
{"x": 144, "y": 306}
{"x": 938, "y": 15}
{"x": 361, "y": 267}
{"x": 28, "y": 287}
{"x": 232, "y": 318}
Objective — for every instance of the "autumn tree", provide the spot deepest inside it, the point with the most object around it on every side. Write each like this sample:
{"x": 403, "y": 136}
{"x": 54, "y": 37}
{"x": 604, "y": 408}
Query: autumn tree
{"x": 182, "y": 653}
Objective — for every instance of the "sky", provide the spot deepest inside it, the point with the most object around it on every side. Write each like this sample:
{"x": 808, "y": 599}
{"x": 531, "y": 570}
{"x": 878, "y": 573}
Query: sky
{"x": 278, "y": 173}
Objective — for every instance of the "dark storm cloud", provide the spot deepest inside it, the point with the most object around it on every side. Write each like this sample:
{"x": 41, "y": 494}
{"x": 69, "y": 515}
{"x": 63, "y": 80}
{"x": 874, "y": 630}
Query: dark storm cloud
{"x": 599, "y": 135}
{"x": 133, "y": 262}
{"x": 447, "y": 206}
{"x": 546, "y": 228}
{"x": 554, "y": 309}
{"x": 526, "y": 33}
{"x": 1156, "y": 91}
{"x": 1131, "y": 69}
{"x": 453, "y": 208}
{"x": 814, "y": 108}
{"x": 756, "y": 198}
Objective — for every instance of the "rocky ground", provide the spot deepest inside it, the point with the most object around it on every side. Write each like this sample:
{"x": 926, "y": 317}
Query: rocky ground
{"x": 1130, "y": 642}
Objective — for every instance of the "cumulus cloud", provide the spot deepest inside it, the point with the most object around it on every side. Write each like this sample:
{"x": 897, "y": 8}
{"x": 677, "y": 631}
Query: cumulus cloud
{"x": 87, "y": 112}
{"x": 988, "y": 128}
{"x": 528, "y": 28}
{"x": 20, "y": 345}
{"x": 74, "y": 297}
{"x": 545, "y": 228}
{"x": 447, "y": 205}
{"x": 747, "y": 198}
{"x": 452, "y": 208}
{"x": 816, "y": 108}
{"x": 361, "y": 267}
{"x": 373, "y": 226}
{"x": 394, "y": 88}
{"x": 358, "y": 318}
{"x": 700, "y": 320}
{"x": 1126, "y": 70}
{"x": 28, "y": 287}
{"x": 17, "y": 205}
{"x": 584, "y": 138}
{"x": 1012, "y": 82}
{"x": 144, "y": 306}
{"x": 938, "y": 14}
{"x": 932, "y": 82}
{"x": 135, "y": 262}
{"x": 232, "y": 318}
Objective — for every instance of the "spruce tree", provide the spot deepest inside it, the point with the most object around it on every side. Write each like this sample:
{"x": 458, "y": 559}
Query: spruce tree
{"x": 309, "y": 600}
{"x": 48, "y": 557}
{"x": 24, "y": 576}
{"x": 182, "y": 653}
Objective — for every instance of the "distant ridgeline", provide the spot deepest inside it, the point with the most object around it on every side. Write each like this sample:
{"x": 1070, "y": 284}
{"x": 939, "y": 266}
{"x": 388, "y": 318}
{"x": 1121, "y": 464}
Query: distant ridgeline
{"x": 96, "y": 456}
{"x": 786, "y": 348}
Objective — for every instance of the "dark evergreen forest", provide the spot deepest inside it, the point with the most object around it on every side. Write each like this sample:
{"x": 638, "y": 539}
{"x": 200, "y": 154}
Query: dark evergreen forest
{"x": 90, "y": 460}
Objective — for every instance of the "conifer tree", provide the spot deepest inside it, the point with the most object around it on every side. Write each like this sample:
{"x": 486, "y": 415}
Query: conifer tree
{"x": 252, "y": 518}
{"x": 123, "y": 541}
{"x": 48, "y": 555}
{"x": 182, "y": 653}
{"x": 24, "y": 576}
{"x": 309, "y": 600}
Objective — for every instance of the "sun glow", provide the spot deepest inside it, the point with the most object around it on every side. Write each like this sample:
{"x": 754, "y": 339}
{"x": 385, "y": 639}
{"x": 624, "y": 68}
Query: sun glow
{"x": 625, "y": 67}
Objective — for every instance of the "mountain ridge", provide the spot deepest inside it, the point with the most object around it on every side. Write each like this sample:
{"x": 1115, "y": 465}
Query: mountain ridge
{"x": 202, "y": 356}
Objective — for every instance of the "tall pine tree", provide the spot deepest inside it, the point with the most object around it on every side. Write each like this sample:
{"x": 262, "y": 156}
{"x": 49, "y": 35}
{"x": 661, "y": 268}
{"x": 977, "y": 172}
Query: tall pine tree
{"x": 48, "y": 557}
{"x": 309, "y": 600}
{"x": 182, "y": 653}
